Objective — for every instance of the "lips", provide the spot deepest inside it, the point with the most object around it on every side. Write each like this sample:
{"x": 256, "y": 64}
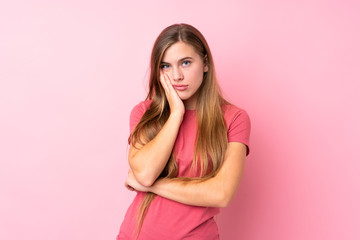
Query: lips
{"x": 180, "y": 87}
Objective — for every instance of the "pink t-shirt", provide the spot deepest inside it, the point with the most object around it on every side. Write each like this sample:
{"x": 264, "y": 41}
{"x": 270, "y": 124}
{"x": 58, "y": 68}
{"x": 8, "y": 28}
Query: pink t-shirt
{"x": 167, "y": 219}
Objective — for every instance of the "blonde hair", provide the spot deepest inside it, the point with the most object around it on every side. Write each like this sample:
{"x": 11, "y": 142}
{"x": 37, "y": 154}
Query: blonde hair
{"x": 211, "y": 137}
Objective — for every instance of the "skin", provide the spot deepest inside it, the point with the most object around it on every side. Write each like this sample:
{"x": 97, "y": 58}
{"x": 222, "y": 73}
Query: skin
{"x": 182, "y": 65}
{"x": 145, "y": 167}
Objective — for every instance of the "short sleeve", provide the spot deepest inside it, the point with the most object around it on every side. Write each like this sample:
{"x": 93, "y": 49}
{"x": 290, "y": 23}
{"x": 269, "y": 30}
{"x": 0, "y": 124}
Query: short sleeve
{"x": 136, "y": 113}
{"x": 239, "y": 128}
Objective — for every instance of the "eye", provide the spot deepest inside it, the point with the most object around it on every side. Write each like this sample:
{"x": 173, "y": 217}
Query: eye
{"x": 164, "y": 66}
{"x": 186, "y": 63}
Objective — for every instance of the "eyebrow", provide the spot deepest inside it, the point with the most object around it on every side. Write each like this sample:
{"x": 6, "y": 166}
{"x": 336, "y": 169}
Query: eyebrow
{"x": 179, "y": 60}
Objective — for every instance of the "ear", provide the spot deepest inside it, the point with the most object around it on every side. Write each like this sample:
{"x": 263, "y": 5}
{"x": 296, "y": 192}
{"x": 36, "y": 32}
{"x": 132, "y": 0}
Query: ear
{"x": 206, "y": 63}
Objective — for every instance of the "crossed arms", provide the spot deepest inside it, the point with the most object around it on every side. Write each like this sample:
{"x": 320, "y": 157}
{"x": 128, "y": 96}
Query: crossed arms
{"x": 147, "y": 164}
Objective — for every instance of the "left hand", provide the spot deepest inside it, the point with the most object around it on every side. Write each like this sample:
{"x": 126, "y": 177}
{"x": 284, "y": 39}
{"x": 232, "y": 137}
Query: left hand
{"x": 132, "y": 184}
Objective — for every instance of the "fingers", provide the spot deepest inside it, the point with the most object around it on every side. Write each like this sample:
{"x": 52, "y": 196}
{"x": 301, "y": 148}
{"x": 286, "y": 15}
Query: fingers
{"x": 169, "y": 85}
{"x": 164, "y": 82}
{"x": 126, "y": 182}
{"x": 173, "y": 98}
{"x": 129, "y": 187}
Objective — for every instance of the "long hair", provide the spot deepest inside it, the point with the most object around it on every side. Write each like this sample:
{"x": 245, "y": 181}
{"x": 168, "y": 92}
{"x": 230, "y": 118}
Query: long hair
{"x": 211, "y": 136}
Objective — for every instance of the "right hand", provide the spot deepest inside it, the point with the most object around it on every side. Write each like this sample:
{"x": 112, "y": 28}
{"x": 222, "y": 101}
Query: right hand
{"x": 175, "y": 102}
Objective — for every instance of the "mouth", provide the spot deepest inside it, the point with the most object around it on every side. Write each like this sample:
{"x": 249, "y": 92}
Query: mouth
{"x": 180, "y": 87}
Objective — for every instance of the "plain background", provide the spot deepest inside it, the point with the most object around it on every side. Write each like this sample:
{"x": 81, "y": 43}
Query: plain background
{"x": 71, "y": 71}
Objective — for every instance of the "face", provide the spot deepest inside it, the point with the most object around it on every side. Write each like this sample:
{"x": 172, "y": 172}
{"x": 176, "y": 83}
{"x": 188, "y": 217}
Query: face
{"x": 186, "y": 69}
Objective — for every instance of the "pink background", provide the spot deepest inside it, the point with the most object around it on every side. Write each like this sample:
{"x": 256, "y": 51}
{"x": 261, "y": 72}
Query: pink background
{"x": 70, "y": 72}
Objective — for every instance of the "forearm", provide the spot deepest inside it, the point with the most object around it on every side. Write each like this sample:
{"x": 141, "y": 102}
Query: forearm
{"x": 217, "y": 191}
{"x": 148, "y": 162}
{"x": 207, "y": 193}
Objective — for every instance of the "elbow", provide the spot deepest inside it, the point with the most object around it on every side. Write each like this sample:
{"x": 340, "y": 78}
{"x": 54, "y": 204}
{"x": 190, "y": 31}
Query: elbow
{"x": 146, "y": 182}
{"x": 224, "y": 203}
{"x": 144, "y": 179}
{"x": 142, "y": 176}
{"x": 225, "y": 200}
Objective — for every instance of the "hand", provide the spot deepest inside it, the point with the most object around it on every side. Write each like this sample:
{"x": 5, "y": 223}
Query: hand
{"x": 133, "y": 185}
{"x": 175, "y": 102}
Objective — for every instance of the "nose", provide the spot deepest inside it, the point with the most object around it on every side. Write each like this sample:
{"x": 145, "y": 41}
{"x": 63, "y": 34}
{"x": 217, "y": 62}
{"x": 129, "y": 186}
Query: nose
{"x": 177, "y": 74}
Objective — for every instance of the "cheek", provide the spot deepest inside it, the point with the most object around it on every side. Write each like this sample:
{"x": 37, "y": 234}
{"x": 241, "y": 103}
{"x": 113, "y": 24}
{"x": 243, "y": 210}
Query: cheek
{"x": 195, "y": 77}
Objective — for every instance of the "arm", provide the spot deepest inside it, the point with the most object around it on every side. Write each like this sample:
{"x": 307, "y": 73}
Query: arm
{"x": 214, "y": 192}
{"x": 148, "y": 161}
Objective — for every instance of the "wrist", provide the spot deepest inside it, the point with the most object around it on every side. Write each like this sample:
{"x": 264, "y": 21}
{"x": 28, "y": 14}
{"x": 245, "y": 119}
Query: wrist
{"x": 176, "y": 116}
{"x": 156, "y": 185}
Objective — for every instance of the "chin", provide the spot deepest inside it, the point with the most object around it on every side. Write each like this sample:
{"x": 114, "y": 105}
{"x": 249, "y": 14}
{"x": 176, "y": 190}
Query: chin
{"x": 184, "y": 98}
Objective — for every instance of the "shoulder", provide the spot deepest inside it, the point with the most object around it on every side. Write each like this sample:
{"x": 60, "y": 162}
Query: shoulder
{"x": 137, "y": 112}
{"x": 238, "y": 125}
{"x": 232, "y": 112}
{"x": 141, "y": 107}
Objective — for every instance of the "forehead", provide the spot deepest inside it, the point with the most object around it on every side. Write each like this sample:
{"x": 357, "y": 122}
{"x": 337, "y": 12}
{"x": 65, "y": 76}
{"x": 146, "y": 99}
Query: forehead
{"x": 178, "y": 51}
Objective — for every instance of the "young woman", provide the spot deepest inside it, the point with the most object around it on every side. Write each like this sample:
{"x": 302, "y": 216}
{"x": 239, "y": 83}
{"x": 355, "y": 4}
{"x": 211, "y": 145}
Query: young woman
{"x": 187, "y": 144}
